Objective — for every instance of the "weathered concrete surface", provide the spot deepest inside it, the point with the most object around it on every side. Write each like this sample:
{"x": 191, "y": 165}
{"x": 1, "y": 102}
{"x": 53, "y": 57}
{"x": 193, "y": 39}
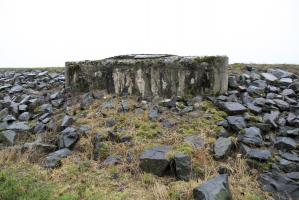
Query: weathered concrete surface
{"x": 150, "y": 75}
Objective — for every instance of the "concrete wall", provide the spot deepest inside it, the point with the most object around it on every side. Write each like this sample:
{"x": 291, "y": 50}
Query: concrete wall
{"x": 150, "y": 75}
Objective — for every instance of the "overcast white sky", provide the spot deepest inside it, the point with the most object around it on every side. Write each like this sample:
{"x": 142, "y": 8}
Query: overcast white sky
{"x": 50, "y": 32}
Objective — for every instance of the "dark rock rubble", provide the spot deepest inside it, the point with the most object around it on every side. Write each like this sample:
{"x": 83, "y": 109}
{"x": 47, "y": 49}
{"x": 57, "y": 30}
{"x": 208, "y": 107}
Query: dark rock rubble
{"x": 261, "y": 125}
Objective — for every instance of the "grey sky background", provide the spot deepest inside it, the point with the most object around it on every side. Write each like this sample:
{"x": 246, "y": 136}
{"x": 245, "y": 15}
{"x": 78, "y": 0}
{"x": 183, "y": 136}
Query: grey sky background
{"x": 49, "y": 32}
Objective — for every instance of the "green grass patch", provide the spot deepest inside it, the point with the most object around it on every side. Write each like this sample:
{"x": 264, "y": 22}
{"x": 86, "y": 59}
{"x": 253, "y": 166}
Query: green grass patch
{"x": 24, "y": 184}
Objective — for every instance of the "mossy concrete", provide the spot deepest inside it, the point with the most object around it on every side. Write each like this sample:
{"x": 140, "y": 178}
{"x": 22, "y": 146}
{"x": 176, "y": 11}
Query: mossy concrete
{"x": 150, "y": 75}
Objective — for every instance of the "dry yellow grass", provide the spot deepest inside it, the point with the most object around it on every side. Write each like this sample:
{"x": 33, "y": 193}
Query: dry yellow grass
{"x": 87, "y": 179}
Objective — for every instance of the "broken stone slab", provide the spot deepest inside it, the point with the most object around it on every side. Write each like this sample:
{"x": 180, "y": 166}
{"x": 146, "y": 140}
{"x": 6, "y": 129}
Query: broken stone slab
{"x": 222, "y": 147}
{"x": 155, "y": 160}
{"x": 8, "y": 137}
{"x": 236, "y": 123}
{"x": 256, "y": 91}
{"x": 153, "y": 113}
{"x": 67, "y": 121}
{"x": 3, "y": 113}
{"x": 279, "y": 185}
{"x": 288, "y": 92}
{"x": 282, "y": 105}
{"x": 124, "y": 106}
{"x": 258, "y": 154}
{"x": 269, "y": 77}
{"x": 87, "y": 100}
{"x": 288, "y": 166}
{"x": 289, "y": 131}
{"x": 18, "y": 126}
{"x": 233, "y": 108}
{"x": 293, "y": 175}
{"x": 285, "y": 143}
{"x": 15, "y": 89}
{"x": 150, "y": 75}
{"x": 290, "y": 156}
{"x": 9, "y": 119}
{"x": 68, "y": 138}
{"x": 251, "y": 136}
{"x": 279, "y": 73}
{"x": 271, "y": 118}
{"x": 182, "y": 166}
{"x": 25, "y": 116}
{"x": 53, "y": 160}
{"x": 294, "y": 86}
{"x": 214, "y": 189}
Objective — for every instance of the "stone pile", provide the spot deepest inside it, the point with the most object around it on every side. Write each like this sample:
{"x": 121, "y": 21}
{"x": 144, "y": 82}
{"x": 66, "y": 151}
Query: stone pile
{"x": 262, "y": 125}
{"x": 263, "y": 111}
{"x": 29, "y": 100}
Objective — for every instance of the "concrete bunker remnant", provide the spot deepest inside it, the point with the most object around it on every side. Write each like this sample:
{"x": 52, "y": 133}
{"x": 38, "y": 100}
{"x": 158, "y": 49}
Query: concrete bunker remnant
{"x": 150, "y": 75}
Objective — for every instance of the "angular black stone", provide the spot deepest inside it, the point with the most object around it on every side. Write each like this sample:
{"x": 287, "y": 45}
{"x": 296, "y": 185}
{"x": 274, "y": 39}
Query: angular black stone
{"x": 222, "y": 147}
{"x": 258, "y": 154}
{"x": 153, "y": 113}
{"x": 288, "y": 166}
{"x": 182, "y": 166}
{"x": 155, "y": 160}
{"x": 253, "y": 108}
{"x": 87, "y": 100}
{"x": 285, "y": 143}
{"x": 291, "y": 157}
{"x": 68, "y": 138}
{"x": 25, "y": 116}
{"x": 234, "y": 108}
{"x": 271, "y": 118}
{"x": 269, "y": 77}
{"x": 279, "y": 185}
{"x": 214, "y": 189}
{"x": 288, "y": 92}
{"x": 237, "y": 123}
{"x": 8, "y": 137}
{"x": 251, "y": 136}
{"x": 19, "y": 126}
{"x": 53, "y": 160}
{"x": 282, "y": 105}
{"x": 67, "y": 121}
